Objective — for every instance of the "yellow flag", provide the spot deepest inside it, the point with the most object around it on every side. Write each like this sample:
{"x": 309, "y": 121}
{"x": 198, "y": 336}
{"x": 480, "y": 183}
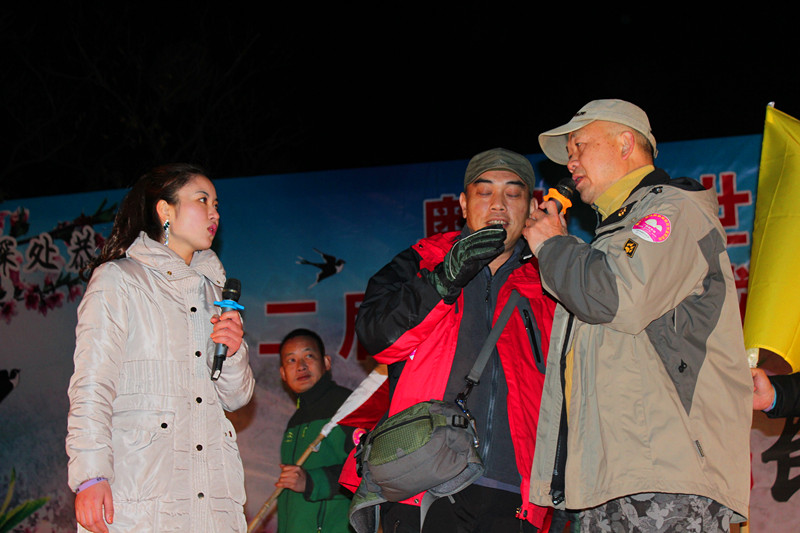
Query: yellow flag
{"x": 772, "y": 319}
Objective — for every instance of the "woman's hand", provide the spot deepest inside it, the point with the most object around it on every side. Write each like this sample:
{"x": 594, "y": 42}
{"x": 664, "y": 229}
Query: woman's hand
{"x": 228, "y": 330}
{"x": 90, "y": 504}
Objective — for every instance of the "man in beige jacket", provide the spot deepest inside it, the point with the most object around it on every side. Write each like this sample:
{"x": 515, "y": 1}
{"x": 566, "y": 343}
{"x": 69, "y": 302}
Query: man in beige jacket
{"x": 646, "y": 412}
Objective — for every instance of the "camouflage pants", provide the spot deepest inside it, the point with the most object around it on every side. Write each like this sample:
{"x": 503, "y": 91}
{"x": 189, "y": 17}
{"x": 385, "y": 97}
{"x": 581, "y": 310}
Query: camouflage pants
{"x": 657, "y": 513}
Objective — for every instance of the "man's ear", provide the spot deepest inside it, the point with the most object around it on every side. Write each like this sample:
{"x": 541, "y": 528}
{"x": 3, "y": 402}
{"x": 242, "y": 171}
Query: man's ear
{"x": 327, "y": 360}
{"x": 534, "y": 206}
{"x": 283, "y": 373}
{"x": 462, "y": 201}
{"x": 627, "y": 144}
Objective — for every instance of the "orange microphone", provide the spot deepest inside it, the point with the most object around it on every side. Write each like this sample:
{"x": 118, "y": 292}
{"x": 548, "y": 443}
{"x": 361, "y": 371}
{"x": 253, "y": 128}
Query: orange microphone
{"x": 562, "y": 194}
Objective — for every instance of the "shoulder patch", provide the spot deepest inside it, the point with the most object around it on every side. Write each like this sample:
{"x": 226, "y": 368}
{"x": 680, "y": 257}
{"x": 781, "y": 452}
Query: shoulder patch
{"x": 653, "y": 228}
{"x": 630, "y": 247}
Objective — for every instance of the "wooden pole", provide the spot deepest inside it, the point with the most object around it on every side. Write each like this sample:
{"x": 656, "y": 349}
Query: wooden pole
{"x": 264, "y": 511}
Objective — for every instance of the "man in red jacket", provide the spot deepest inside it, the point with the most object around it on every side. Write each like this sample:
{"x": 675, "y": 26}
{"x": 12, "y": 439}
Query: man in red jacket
{"x": 427, "y": 313}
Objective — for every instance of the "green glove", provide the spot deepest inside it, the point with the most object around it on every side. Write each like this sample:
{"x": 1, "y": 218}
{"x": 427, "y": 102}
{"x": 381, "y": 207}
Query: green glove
{"x": 465, "y": 259}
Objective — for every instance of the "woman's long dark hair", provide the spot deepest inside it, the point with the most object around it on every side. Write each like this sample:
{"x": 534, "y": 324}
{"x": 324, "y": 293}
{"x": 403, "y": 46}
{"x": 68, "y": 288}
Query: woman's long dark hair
{"x": 137, "y": 211}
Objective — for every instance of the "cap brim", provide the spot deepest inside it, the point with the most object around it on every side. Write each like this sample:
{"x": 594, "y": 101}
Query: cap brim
{"x": 554, "y": 142}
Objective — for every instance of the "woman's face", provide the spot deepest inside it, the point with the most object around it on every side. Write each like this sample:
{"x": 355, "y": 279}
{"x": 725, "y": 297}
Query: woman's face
{"x": 194, "y": 219}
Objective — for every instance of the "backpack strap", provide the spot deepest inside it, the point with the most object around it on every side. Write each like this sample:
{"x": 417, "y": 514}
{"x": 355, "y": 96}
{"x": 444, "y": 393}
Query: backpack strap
{"x": 488, "y": 346}
{"x": 474, "y": 376}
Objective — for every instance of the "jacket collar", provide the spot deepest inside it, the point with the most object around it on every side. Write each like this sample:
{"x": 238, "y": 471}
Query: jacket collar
{"x": 316, "y": 392}
{"x": 160, "y": 258}
{"x": 653, "y": 179}
{"x": 613, "y": 198}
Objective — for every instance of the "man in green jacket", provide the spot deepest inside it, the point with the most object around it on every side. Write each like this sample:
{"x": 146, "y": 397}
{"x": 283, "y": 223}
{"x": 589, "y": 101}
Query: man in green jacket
{"x": 312, "y": 499}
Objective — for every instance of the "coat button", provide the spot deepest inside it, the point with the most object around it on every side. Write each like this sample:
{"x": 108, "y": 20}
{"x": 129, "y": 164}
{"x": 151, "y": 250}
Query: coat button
{"x": 199, "y": 447}
{"x": 198, "y": 399}
{"x": 164, "y": 425}
{"x": 197, "y": 353}
{"x": 193, "y": 309}
{"x": 201, "y": 495}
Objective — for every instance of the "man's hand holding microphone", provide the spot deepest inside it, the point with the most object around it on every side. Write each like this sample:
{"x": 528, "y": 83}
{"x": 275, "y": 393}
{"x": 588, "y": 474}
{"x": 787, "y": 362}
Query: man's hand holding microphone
{"x": 548, "y": 218}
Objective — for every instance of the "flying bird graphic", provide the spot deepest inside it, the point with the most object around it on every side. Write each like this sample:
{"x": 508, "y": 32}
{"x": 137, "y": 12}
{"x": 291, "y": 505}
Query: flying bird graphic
{"x": 8, "y": 380}
{"x": 331, "y": 266}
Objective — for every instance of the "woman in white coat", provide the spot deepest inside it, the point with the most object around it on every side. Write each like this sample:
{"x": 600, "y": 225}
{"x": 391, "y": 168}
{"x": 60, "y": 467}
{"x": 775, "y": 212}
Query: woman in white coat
{"x": 149, "y": 446}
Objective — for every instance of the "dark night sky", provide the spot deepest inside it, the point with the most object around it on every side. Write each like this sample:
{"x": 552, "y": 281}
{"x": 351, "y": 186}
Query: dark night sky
{"x": 94, "y": 94}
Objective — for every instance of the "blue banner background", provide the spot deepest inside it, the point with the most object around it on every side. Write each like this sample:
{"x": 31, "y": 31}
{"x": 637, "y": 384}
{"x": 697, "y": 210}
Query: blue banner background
{"x": 362, "y": 216}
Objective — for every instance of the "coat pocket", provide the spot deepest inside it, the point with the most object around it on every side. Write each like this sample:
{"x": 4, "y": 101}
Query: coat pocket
{"x": 143, "y": 443}
{"x": 228, "y": 464}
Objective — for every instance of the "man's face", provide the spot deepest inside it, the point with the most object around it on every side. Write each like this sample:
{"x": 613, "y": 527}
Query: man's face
{"x": 301, "y": 364}
{"x": 497, "y": 197}
{"x": 595, "y": 159}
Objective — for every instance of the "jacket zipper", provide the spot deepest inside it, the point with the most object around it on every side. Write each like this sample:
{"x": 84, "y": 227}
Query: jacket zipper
{"x": 533, "y": 338}
{"x": 321, "y": 515}
{"x": 487, "y": 438}
{"x": 558, "y": 483}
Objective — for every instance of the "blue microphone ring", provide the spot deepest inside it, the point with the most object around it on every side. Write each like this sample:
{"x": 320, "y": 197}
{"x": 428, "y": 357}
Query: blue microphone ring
{"x": 230, "y": 303}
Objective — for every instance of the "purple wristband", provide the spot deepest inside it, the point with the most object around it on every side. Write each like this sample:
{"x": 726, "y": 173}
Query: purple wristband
{"x": 88, "y": 483}
{"x": 774, "y": 399}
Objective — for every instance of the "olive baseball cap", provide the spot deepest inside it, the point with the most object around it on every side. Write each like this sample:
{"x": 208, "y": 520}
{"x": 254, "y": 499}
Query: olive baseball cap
{"x": 554, "y": 142}
{"x": 500, "y": 159}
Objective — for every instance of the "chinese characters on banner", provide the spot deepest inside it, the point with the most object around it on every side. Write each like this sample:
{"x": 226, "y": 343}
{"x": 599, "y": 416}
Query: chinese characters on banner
{"x": 41, "y": 278}
{"x": 365, "y": 216}
{"x": 443, "y": 214}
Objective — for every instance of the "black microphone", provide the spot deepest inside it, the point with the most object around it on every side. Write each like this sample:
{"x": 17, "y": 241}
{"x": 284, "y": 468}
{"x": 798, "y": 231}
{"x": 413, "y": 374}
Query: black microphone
{"x": 562, "y": 194}
{"x": 230, "y": 297}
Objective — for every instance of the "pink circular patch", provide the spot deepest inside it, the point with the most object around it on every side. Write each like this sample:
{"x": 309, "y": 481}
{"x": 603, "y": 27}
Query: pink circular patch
{"x": 653, "y": 228}
{"x": 357, "y": 435}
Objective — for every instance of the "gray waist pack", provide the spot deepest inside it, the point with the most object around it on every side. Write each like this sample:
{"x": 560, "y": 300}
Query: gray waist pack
{"x": 431, "y": 446}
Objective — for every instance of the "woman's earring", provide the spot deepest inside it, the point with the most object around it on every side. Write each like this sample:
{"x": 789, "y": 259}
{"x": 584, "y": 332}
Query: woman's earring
{"x": 166, "y": 233}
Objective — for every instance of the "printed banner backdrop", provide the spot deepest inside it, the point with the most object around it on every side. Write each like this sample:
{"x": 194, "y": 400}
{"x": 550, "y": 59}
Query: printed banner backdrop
{"x": 304, "y": 246}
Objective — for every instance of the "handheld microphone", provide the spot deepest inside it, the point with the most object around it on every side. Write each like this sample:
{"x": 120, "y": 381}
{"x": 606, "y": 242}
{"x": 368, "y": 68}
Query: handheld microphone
{"x": 562, "y": 194}
{"x": 230, "y": 295}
